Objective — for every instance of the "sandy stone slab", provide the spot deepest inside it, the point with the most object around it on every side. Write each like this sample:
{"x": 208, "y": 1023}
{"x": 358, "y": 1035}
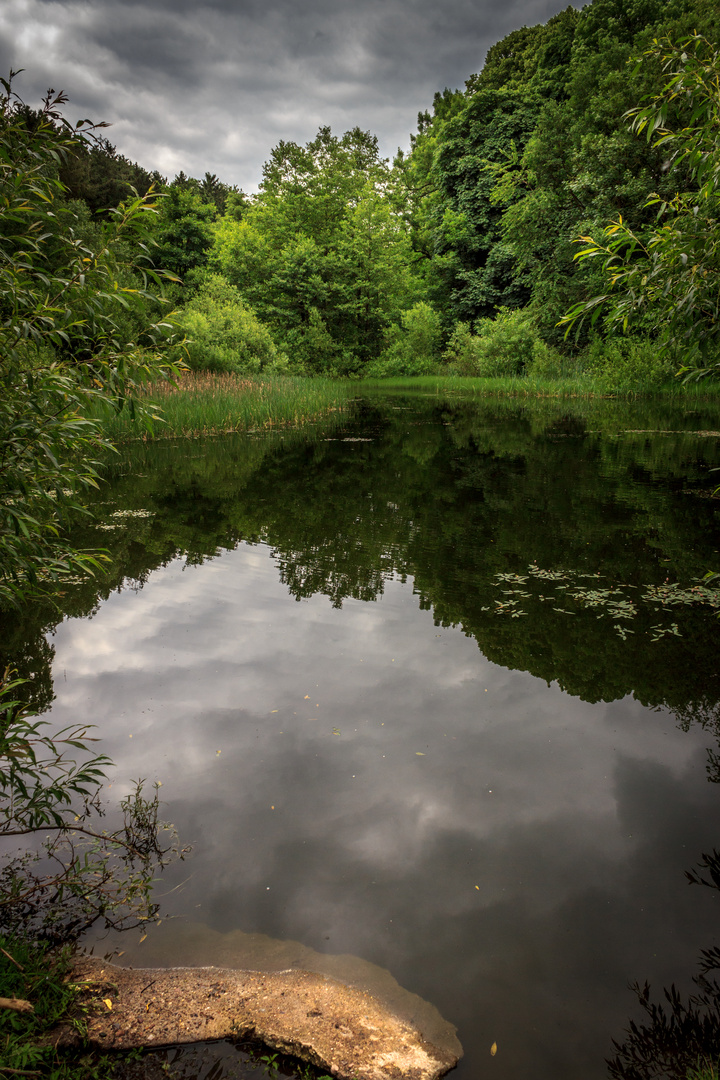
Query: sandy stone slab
{"x": 339, "y": 1028}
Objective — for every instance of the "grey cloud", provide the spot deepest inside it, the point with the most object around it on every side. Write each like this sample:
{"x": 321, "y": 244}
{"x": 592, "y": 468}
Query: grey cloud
{"x": 215, "y": 86}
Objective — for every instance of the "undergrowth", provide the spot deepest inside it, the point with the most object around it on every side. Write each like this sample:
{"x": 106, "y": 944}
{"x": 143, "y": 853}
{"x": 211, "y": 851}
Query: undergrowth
{"x": 533, "y": 386}
{"x": 39, "y": 976}
{"x": 203, "y": 403}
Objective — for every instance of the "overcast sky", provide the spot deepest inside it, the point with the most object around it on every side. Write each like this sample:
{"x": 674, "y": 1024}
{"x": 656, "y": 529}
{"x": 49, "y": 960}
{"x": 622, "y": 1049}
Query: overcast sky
{"x": 214, "y": 86}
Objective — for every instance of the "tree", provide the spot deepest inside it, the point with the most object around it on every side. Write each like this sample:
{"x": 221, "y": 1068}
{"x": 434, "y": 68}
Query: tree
{"x": 323, "y": 254}
{"x": 64, "y": 349}
{"x": 493, "y": 125}
{"x": 101, "y": 177}
{"x": 670, "y": 272}
{"x": 63, "y": 353}
{"x": 184, "y": 229}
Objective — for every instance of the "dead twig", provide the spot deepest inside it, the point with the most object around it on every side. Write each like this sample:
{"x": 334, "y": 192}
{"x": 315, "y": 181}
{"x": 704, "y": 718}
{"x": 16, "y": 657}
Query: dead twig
{"x": 16, "y": 1004}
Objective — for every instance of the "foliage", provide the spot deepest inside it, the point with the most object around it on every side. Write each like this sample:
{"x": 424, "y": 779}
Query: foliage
{"x": 680, "y": 1038}
{"x": 101, "y": 177}
{"x": 413, "y": 347}
{"x": 33, "y": 973}
{"x": 61, "y": 342}
{"x": 492, "y": 125}
{"x": 671, "y": 270}
{"x": 506, "y": 345}
{"x": 322, "y": 256}
{"x": 65, "y": 287}
{"x": 183, "y": 232}
{"x": 50, "y": 786}
{"x": 537, "y": 55}
{"x": 223, "y": 334}
{"x": 203, "y": 403}
{"x": 627, "y": 363}
{"x": 537, "y": 152}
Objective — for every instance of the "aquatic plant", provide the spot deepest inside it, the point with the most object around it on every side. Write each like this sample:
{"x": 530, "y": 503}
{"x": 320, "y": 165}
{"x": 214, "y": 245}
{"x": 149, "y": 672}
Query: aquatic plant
{"x": 680, "y": 1038}
{"x": 73, "y": 872}
{"x": 203, "y": 403}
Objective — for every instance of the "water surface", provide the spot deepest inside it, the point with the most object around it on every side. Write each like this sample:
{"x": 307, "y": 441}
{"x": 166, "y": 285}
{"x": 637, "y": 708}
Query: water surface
{"x": 432, "y": 687}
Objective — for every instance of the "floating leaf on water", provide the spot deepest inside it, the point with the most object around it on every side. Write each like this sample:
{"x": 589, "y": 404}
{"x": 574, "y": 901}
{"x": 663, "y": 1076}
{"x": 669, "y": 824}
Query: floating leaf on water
{"x": 493, "y": 1049}
{"x": 419, "y": 753}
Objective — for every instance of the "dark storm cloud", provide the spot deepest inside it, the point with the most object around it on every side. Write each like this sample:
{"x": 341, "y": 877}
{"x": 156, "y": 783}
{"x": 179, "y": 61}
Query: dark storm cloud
{"x": 214, "y": 86}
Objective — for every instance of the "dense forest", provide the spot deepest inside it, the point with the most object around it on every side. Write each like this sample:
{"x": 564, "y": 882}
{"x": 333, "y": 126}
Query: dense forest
{"x": 459, "y": 255}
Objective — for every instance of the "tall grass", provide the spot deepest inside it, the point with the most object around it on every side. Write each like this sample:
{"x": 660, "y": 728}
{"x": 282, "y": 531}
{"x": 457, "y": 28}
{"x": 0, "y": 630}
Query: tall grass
{"x": 202, "y": 403}
{"x": 528, "y": 386}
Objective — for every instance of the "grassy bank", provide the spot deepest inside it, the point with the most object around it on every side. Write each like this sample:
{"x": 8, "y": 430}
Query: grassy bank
{"x": 39, "y": 978}
{"x": 528, "y": 386}
{"x": 209, "y": 404}
{"x": 213, "y": 404}
{"x": 203, "y": 403}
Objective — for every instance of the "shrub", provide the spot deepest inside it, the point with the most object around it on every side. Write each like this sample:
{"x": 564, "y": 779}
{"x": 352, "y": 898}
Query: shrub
{"x": 549, "y": 363}
{"x": 413, "y": 346}
{"x": 505, "y": 345}
{"x": 224, "y": 334}
{"x": 77, "y": 329}
{"x": 628, "y": 363}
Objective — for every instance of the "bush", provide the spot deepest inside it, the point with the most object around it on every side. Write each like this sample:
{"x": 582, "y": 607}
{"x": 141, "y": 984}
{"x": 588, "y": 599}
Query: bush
{"x": 549, "y": 363}
{"x": 505, "y": 345}
{"x": 77, "y": 329}
{"x": 223, "y": 334}
{"x": 413, "y": 346}
{"x": 628, "y": 363}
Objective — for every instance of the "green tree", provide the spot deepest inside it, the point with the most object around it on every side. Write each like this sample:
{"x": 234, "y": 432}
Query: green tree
{"x": 62, "y": 346}
{"x": 669, "y": 272}
{"x": 63, "y": 350}
{"x": 183, "y": 232}
{"x": 322, "y": 255}
{"x": 101, "y": 177}
{"x": 492, "y": 127}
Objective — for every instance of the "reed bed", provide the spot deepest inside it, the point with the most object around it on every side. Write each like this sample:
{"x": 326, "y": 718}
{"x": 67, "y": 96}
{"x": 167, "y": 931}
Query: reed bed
{"x": 203, "y": 403}
{"x": 529, "y": 386}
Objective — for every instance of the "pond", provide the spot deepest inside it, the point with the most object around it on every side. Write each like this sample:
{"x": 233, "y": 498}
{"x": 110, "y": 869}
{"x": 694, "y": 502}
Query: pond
{"x": 432, "y": 689}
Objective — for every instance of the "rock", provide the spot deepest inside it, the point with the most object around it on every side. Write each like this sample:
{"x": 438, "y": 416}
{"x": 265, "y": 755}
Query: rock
{"x": 339, "y": 1028}
{"x": 177, "y": 943}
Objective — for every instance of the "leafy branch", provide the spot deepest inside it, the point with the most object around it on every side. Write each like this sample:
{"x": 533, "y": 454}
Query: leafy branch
{"x": 50, "y": 786}
{"x": 671, "y": 273}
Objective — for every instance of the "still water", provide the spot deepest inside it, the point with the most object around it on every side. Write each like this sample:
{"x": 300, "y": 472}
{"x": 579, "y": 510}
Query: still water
{"x": 433, "y": 691}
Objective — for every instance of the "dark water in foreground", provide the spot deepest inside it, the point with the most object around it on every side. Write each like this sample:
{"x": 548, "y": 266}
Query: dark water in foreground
{"x": 431, "y": 688}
